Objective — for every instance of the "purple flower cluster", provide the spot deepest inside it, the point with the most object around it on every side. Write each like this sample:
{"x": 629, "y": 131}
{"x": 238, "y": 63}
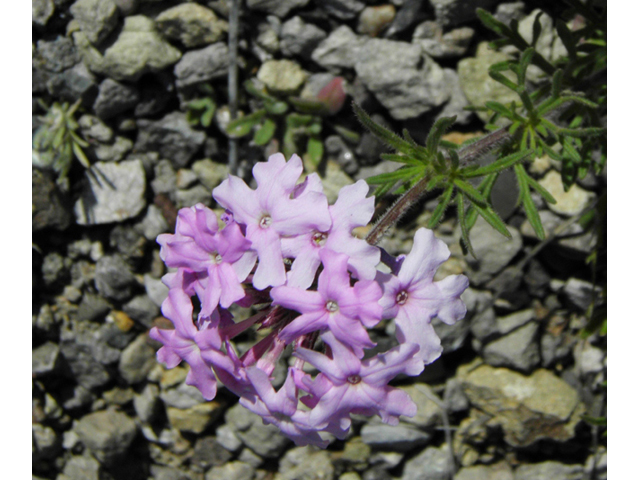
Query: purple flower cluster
{"x": 284, "y": 251}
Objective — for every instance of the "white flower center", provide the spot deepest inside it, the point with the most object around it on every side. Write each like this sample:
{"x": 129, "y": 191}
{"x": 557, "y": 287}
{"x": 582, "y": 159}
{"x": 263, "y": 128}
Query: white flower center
{"x": 402, "y": 297}
{"x": 354, "y": 379}
{"x": 265, "y": 221}
{"x": 331, "y": 306}
{"x": 216, "y": 257}
{"x": 319, "y": 238}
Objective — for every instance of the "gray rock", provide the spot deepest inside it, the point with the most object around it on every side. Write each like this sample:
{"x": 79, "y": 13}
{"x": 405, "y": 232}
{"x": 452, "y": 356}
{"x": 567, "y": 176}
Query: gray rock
{"x": 454, "y": 399}
{"x": 107, "y": 434}
{"x": 409, "y": 13}
{"x": 433, "y": 460}
{"x": 82, "y": 274}
{"x": 548, "y": 44}
{"x": 248, "y": 456}
{"x": 434, "y": 42}
{"x": 115, "y": 193}
{"x": 114, "y": 98}
{"x": 342, "y": 9}
{"x": 476, "y": 83}
{"x": 79, "y": 397}
{"x": 165, "y": 180}
{"x": 279, "y": 8}
{"x": 94, "y": 129}
{"x": 510, "y": 11}
{"x": 153, "y": 224}
{"x": 404, "y": 80}
{"x": 529, "y": 408}
{"x": 452, "y": 337}
{"x": 171, "y": 136}
{"x": 227, "y": 438}
{"x": 207, "y": 453}
{"x": 127, "y": 241}
{"x": 55, "y": 268}
{"x": 49, "y": 205}
{"x": 93, "y": 307}
{"x": 340, "y": 49}
{"x": 46, "y": 444}
{"x": 518, "y": 350}
{"x": 499, "y": 471}
{"x": 581, "y": 293}
{"x": 267, "y": 37}
{"x": 493, "y": 251}
{"x": 57, "y": 55}
{"x": 456, "y": 12}
{"x": 398, "y": 438}
{"x": 483, "y": 325}
{"x": 458, "y": 101}
{"x": 182, "y": 397}
{"x": 185, "y": 178}
{"x": 142, "y": 309}
{"x": 555, "y": 348}
{"x": 373, "y": 20}
{"x": 96, "y": 18}
{"x": 192, "y": 24}
{"x": 162, "y": 472}
{"x": 158, "y": 92}
{"x": 197, "y": 194}
{"x": 231, "y": 471}
{"x": 147, "y": 403}
{"x": 202, "y": 65}
{"x": 306, "y": 463}
{"x": 209, "y": 173}
{"x": 282, "y": 76}
{"x": 81, "y": 468}
{"x": 114, "y": 279}
{"x": 114, "y": 151}
{"x": 137, "y": 360}
{"x": 41, "y": 11}
{"x": 265, "y": 440}
{"x": 547, "y": 470}
{"x": 73, "y": 83}
{"x": 156, "y": 290}
{"x": 300, "y": 38}
{"x": 589, "y": 359}
{"x": 139, "y": 49}
{"x": 44, "y": 359}
{"x": 337, "y": 150}
{"x": 568, "y": 203}
{"x": 509, "y": 323}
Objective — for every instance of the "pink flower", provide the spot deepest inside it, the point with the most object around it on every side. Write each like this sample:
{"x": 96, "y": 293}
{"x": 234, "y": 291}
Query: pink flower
{"x": 348, "y": 385}
{"x": 413, "y": 298}
{"x": 270, "y": 213}
{"x": 220, "y": 260}
{"x": 352, "y": 209}
{"x": 335, "y": 306}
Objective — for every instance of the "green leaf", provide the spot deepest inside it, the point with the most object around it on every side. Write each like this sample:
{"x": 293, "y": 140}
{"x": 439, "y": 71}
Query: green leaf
{"x": 265, "y": 132}
{"x": 276, "y": 108}
{"x": 242, "y": 126}
{"x": 597, "y": 421}
{"x": 492, "y": 219}
{"x": 385, "y": 136}
{"x": 582, "y": 132}
{"x": 81, "y": 156}
{"x": 255, "y": 91}
{"x": 434, "y": 182}
{"x": 527, "y": 202}
{"x": 464, "y": 226}
{"x": 526, "y": 57}
{"x": 491, "y": 23}
{"x": 315, "y": 150}
{"x": 497, "y": 166}
{"x": 305, "y": 105}
{"x": 469, "y": 191}
{"x": 347, "y": 134}
{"x": 208, "y": 114}
{"x": 396, "y": 157}
{"x": 403, "y": 173}
{"x": 498, "y": 77}
{"x": 297, "y": 120}
{"x": 501, "y": 109}
{"x": 567, "y": 38}
{"x": 541, "y": 190}
{"x": 537, "y": 29}
{"x": 445, "y": 199}
{"x": 435, "y": 134}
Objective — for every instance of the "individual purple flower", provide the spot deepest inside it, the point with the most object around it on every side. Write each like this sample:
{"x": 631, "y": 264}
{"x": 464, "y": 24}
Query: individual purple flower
{"x": 352, "y": 209}
{"x": 347, "y": 385}
{"x": 335, "y": 306}
{"x": 187, "y": 343}
{"x": 281, "y": 408}
{"x": 269, "y": 212}
{"x": 220, "y": 259}
{"x": 413, "y": 298}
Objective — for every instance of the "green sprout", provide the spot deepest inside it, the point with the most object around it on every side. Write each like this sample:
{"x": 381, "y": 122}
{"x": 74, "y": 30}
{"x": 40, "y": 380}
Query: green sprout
{"x": 56, "y": 141}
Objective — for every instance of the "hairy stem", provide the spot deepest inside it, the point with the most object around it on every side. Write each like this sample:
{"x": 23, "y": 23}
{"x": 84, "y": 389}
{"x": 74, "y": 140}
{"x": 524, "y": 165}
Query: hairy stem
{"x": 233, "y": 79}
{"x": 467, "y": 154}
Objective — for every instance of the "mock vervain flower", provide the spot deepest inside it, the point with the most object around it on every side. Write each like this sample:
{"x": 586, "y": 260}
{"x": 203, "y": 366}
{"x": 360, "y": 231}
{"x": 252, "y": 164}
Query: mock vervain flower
{"x": 292, "y": 232}
{"x": 412, "y": 298}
